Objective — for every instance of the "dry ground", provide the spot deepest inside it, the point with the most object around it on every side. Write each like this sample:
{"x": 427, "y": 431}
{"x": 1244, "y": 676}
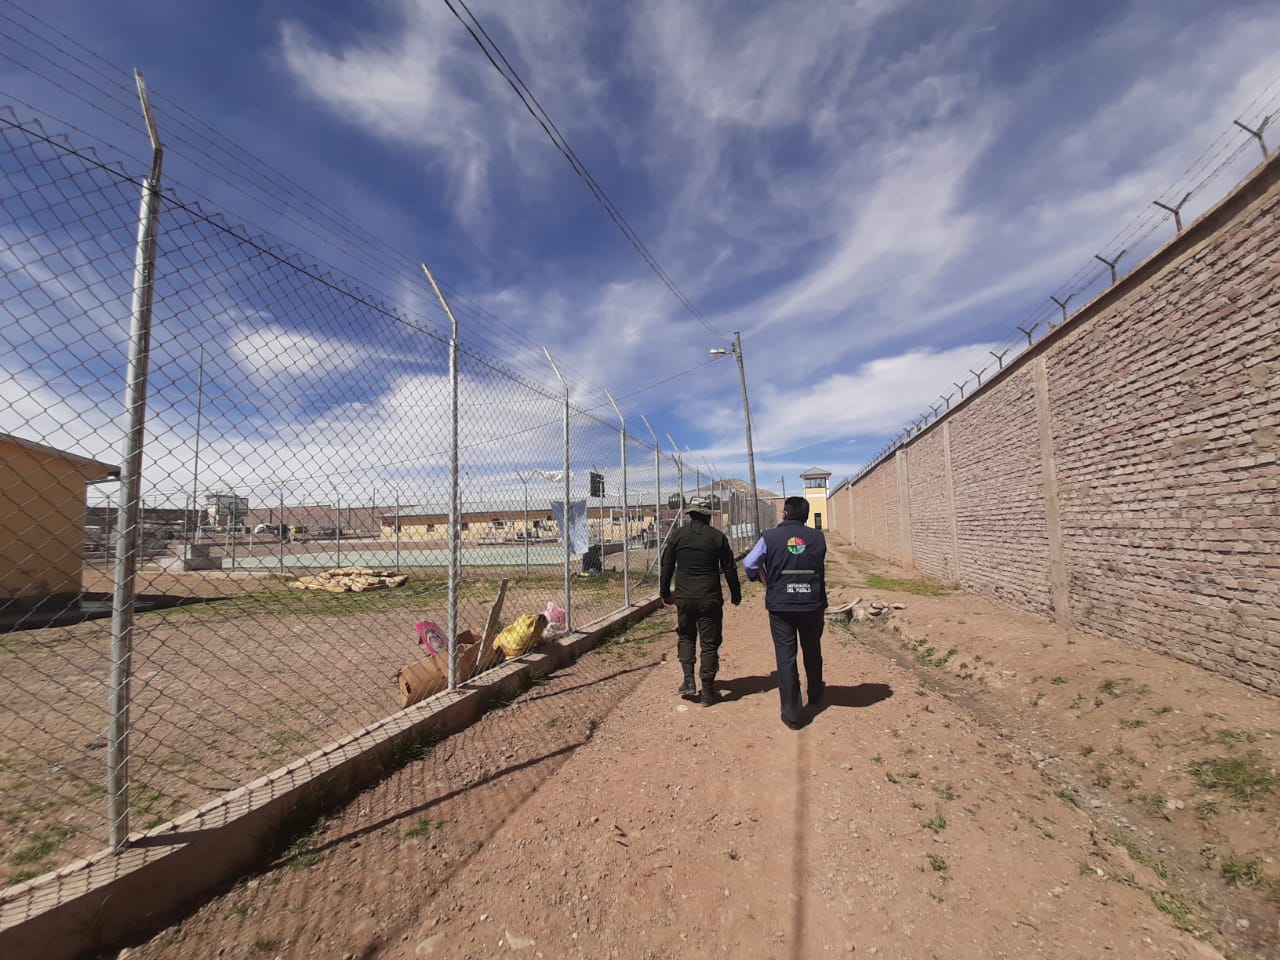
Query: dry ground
{"x": 975, "y": 785}
{"x": 223, "y": 691}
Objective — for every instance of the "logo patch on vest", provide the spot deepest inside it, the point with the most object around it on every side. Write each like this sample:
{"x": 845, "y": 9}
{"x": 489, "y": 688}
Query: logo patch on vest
{"x": 795, "y": 545}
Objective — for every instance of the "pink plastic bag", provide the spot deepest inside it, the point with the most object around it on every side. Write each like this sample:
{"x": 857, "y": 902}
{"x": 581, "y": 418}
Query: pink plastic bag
{"x": 555, "y": 616}
{"x": 431, "y": 637}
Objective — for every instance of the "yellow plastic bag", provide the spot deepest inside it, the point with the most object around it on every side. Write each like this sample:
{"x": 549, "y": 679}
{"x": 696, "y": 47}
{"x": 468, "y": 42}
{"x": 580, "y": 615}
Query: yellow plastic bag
{"x": 520, "y": 637}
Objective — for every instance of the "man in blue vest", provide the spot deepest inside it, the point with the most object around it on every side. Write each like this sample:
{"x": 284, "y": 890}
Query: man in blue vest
{"x": 791, "y": 560}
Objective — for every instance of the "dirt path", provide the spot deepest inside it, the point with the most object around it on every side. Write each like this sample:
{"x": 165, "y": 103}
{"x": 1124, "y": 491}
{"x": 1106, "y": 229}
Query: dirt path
{"x": 600, "y": 816}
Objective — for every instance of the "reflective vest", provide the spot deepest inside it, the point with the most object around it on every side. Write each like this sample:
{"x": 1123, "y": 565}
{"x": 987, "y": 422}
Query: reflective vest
{"x": 795, "y": 568}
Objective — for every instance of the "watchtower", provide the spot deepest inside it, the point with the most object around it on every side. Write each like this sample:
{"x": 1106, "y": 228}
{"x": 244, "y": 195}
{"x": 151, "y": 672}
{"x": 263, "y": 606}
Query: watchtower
{"x": 815, "y": 491}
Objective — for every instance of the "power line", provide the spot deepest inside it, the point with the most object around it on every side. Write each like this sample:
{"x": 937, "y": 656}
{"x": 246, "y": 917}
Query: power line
{"x": 81, "y": 73}
{"x": 558, "y": 140}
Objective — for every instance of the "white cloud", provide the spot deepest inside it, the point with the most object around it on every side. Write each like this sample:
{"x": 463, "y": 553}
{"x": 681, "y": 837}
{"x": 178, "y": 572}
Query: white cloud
{"x": 827, "y": 166}
{"x": 876, "y": 398}
{"x": 403, "y": 88}
{"x": 86, "y": 423}
{"x": 908, "y": 224}
{"x": 271, "y": 352}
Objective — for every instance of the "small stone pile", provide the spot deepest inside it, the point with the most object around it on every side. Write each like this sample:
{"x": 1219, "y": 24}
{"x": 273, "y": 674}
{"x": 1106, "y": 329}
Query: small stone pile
{"x": 350, "y": 579}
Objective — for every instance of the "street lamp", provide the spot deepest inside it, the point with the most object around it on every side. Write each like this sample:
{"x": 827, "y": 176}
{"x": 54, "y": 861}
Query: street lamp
{"x": 736, "y": 350}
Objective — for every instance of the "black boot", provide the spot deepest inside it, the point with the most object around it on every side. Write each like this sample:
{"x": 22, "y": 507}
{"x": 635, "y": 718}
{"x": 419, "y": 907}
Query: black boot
{"x": 688, "y": 689}
{"x": 710, "y": 696}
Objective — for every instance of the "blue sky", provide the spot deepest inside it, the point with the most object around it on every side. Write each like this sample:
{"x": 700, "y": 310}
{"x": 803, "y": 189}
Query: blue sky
{"x": 874, "y": 193}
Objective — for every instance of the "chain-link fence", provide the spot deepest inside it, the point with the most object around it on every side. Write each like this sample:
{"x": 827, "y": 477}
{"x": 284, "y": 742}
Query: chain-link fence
{"x": 223, "y": 537}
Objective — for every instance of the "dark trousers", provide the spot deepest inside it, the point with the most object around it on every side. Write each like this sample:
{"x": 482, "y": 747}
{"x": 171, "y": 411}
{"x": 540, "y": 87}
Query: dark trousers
{"x": 699, "y": 619}
{"x": 786, "y": 628}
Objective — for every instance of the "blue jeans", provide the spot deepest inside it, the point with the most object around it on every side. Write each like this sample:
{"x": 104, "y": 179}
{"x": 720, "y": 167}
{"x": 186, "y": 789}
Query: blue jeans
{"x": 787, "y": 628}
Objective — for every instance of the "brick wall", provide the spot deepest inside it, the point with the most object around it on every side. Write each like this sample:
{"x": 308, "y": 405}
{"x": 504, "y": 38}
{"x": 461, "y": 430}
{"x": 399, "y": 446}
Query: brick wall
{"x": 999, "y": 496}
{"x": 840, "y": 510}
{"x": 931, "y": 547}
{"x": 875, "y": 525}
{"x": 1122, "y": 476}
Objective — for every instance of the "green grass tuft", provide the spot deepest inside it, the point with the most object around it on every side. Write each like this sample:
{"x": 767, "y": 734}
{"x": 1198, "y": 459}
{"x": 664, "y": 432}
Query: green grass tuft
{"x": 42, "y": 843}
{"x": 424, "y": 826}
{"x": 921, "y": 588}
{"x": 1176, "y": 909}
{"x": 1245, "y": 871}
{"x": 1244, "y": 778}
{"x": 1139, "y": 855}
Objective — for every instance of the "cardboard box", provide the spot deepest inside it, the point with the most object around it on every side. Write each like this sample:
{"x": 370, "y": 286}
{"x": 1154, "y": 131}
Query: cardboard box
{"x": 428, "y": 677}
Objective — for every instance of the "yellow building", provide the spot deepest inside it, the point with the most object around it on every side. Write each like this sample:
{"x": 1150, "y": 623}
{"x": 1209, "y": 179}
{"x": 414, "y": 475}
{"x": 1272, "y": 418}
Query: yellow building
{"x": 500, "y": 523}
{"x": 42, "y": 508}
{"x": 495, "y": 525}
{"x": 815, "y": 491}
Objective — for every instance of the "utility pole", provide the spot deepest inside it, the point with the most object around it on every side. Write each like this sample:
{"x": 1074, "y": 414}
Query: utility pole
{"x": 736, "y": 350}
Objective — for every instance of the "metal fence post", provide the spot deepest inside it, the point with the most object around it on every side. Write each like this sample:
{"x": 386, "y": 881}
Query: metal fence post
{"x": 657, "y": 483}
{"x": 679, "y": 458}
{"x": 568, "y": 593}
{"x": 716, "y": 499}
{"x": 453, "y": 483}
{"x": 595, "y": 469}
{"x": 127, "y": 533}
{"x": 626, "y": 548}
{"x": 281, "y": 530}
{"x": 195, "y": 469}
{"x": 524, "y": 482}
{"x": 397, "y": 531}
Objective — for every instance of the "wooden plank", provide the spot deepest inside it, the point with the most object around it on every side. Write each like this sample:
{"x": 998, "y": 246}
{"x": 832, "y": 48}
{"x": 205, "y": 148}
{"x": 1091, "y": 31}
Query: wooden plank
{"x": 489, "y": 656}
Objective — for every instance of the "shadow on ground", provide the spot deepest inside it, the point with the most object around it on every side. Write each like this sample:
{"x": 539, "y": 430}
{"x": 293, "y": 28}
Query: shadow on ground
{"x": 859, "y": 695}
{"x": 740, "y": 687}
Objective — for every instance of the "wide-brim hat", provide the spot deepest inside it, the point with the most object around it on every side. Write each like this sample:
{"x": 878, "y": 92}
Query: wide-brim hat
{"x": 700, "y": 505}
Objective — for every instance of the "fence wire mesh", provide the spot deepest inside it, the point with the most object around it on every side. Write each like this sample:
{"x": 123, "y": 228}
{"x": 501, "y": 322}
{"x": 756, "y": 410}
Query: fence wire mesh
{"x": 294, "y": 516}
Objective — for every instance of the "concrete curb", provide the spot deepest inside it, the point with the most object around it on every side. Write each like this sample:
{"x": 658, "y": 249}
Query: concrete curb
{"x": 108, "y": 899}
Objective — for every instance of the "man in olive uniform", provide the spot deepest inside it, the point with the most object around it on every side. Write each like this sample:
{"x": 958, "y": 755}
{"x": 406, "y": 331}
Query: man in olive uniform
{"x": 791, "y": 559}
{"x": 697, "y": 554}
